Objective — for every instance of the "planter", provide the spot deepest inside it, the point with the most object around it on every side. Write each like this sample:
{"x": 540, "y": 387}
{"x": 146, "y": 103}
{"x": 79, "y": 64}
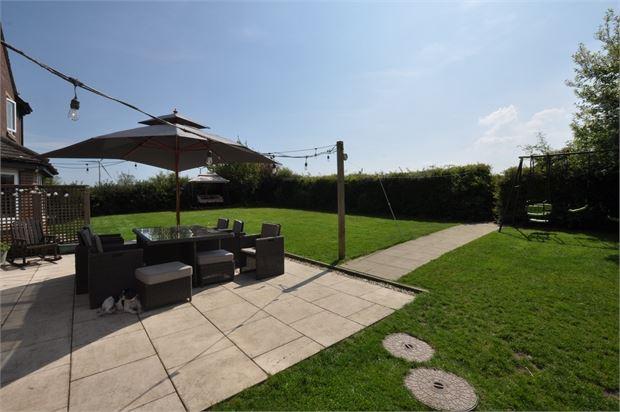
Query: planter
{"x": 3, "y": 257}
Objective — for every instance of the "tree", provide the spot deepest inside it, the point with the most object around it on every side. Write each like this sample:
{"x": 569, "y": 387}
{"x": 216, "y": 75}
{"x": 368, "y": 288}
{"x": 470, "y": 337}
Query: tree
{"x": 125, "y": 179}
{"x": 540, "y": 147}
{"x": 596, "y": 85}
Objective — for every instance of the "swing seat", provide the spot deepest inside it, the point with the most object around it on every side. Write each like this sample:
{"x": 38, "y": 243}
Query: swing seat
{"x": 539, "y": 212}
{"x": 579, "y": 209}
{"x": 539, "y": 220}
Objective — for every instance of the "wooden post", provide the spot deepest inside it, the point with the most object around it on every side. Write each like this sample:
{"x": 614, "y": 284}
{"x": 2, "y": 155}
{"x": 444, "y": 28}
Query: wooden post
{"x": 341, "y": 208}
{"x": 86, "y": 206}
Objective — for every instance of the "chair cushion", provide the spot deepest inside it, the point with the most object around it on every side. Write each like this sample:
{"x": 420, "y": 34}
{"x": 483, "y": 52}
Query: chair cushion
{"x": 249, "y": 251}
{"x": 214, "y": 256}
{"x": 165, "y": 272}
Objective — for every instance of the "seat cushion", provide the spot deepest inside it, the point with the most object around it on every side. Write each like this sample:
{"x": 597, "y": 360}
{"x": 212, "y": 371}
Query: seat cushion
{"x": 165, "y": 272}
{"x": 249, "y": 251}
{"x": 214, "y": 256}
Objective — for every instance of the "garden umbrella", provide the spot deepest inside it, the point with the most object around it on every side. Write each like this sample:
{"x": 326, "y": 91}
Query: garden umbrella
{"x": 174, "y": 143}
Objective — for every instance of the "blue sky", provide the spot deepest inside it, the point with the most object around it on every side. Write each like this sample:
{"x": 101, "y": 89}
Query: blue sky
{"x": 404, "y": 84}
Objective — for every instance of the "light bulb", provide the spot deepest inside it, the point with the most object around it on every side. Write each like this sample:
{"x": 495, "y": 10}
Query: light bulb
{"x": 74, "y": 113}
{"x": 74, "y": 106}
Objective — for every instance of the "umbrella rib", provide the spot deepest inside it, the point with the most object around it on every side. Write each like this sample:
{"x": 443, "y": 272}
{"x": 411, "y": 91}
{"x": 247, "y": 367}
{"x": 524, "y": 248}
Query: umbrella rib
{"x": 144, "y": 144}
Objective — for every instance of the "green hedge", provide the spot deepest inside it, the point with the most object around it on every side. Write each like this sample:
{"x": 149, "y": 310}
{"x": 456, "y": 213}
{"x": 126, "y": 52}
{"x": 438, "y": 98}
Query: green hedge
{"x": 155, "y": 194}
{"x": 457, "y": 193}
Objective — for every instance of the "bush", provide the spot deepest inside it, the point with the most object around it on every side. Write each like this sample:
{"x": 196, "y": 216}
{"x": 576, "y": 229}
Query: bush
{"x": 457, "y": 193}
{"x": 155, "y": 194}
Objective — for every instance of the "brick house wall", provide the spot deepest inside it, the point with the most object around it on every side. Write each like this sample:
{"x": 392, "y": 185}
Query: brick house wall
{"x": 7, "y": 91}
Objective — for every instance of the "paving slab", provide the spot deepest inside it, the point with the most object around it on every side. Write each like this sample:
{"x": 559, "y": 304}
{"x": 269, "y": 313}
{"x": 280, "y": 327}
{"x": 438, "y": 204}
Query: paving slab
{"x": 109, "y": 353}
{"x": 43, "y": 390}
{"x": 262, "y": 336}
{"x": 169, "y": 403}
{"x": 287, "y": 355}
{"x": 388, "y": 297}
{"x": 311, "y": 291}
{"x": 371, "y": 314}
{"x": 343, "y": 304}
{"x": 218, "y": 299}
{"x": 19, "y": 331}
{"x": 289, "y": 309}
{"x": 260, "y": 296}
{"x": 326, "y": 328}
{"x": 21, "y": 362}
{"x": 183, "y": 347}
{"x": 397, "y": 261}
{"x": 232, "y": 317}
{"x": 125, "y": 387}
{"x": 104, "y": 327}
{"x": 210, "y": 379}
{"x": 165, "y": 322}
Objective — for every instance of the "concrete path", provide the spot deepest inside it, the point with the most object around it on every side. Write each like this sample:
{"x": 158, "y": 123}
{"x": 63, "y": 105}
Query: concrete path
{"x": 397, "y": 261}
{"x": 57, "y": 354}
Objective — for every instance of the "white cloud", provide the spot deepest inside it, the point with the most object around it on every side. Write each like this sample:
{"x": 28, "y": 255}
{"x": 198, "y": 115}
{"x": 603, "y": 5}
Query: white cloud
{"x": 499, "y": 117}
{"x": 503, "y": 126}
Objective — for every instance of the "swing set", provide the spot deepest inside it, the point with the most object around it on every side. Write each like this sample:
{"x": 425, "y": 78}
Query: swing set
{"x": 542, "y": 212}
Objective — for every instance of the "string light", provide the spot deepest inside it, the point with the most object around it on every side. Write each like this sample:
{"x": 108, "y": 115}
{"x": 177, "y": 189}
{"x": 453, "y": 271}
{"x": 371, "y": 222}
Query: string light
{"x": 74, "y": 106}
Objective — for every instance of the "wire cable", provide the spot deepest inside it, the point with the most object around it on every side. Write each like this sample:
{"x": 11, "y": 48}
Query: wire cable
{"x": 77, "y": 83}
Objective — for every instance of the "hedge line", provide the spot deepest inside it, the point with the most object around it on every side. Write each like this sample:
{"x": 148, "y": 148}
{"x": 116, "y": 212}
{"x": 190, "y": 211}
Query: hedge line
{"x": 459, "y": 193}
{"x": 464, "y": 193}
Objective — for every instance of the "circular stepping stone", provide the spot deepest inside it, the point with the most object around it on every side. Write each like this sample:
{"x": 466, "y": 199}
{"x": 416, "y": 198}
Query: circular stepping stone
{"x": 407, "y": 347}
{"x": 441, "y": 390}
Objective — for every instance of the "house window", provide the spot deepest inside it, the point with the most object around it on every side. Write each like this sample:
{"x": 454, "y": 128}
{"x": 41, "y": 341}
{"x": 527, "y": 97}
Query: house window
{"x": 11, "y": 115}
{"x": 8, "y": 202}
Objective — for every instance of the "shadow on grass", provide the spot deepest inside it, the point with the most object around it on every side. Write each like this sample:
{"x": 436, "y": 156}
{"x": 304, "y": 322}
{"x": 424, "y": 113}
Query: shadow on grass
{"x": 593, "y": 240}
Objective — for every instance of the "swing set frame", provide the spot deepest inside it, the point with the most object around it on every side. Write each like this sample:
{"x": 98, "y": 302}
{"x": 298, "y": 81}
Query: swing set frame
{"x": 546, "y": 206}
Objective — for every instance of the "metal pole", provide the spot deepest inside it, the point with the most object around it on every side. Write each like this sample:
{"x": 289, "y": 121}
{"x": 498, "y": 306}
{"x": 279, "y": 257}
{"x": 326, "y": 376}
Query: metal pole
{"x": 176, "y": 175}
{"x": 516, "y": 184}
{"x": 99, "y": 168}
{"x": 340, "y": 156}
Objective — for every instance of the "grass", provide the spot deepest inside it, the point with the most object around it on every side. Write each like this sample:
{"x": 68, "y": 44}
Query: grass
{"x": 310, "y": 234}
{"x": 531, "y": 322}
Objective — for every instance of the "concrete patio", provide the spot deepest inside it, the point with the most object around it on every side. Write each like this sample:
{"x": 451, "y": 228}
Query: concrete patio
{"x": 57, "y": 354}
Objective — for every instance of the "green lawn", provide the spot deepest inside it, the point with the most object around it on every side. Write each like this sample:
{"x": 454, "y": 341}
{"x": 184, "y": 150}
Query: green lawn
{"x": 310, "y": 234}
{"x": 532, "y": 324}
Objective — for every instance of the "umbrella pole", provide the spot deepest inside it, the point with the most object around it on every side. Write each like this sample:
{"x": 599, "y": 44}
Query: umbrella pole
{"x": 176, "y": 175}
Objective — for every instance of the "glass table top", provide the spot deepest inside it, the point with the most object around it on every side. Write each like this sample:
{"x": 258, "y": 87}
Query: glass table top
{"x": 158, "y": 234}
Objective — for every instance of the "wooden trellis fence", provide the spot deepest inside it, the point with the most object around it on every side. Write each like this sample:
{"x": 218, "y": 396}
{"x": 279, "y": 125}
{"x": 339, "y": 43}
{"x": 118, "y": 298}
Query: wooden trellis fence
{"x": 63, "y": 209}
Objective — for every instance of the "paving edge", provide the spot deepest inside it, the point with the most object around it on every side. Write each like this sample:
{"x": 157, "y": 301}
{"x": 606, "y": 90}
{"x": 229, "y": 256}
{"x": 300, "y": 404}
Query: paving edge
{"x": 358, "y": 274}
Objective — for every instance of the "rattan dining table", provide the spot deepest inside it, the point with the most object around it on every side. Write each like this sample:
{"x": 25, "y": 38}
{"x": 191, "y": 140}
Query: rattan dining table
{"x": 178, "y": 243}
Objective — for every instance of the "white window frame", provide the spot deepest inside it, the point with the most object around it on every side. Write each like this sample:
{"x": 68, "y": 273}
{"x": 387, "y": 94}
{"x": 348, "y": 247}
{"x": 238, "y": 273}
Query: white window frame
{"x": 14, "y": 130}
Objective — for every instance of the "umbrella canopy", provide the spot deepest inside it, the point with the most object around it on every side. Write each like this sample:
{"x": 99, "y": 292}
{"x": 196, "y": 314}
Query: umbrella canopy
{"x": 209, "y": 178}
{"x": 177, "y": 147}
{"x": 156, "y": 145}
